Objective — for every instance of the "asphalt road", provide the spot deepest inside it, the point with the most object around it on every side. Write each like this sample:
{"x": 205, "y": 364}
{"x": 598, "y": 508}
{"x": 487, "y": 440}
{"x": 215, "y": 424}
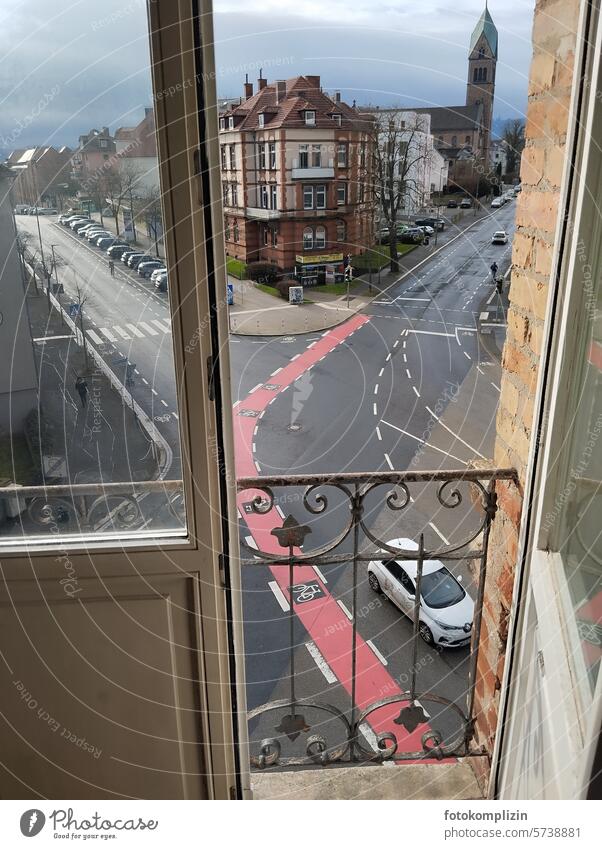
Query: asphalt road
{"x": 381, "y": 395}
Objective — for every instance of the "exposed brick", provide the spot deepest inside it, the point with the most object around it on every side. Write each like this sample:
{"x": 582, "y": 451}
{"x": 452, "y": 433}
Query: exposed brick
{"x": 510, "y": 502}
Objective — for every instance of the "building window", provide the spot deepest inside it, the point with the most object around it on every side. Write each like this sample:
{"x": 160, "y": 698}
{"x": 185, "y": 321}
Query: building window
{"x": 475, "y": 75}
{"x": 481, "y": 52}
{"x": 230, "y": 123}
{"x": 342, "y": 155}
{"x": 227, "y": 231}
{"x": 222, "y": 123}
{"x": 223, "y": 156}
{"x": 103, "y": 143}
{"x": 484, "y": 78}
{"x": 274, "y": 196}
{"x": 303, "y": 156}
{"x": 234, "y": 190}
{"x": 261, "y": 120}
{"x": 235, "y": 231}
{"x": 226, "y": 194}
{"x": 262, "y": 156}
{"x": 362, "y": 156}
{"x": 263, "y": 197}
{"x": 341, "y": 231}
{"x": 341, "y": 194}
{"x": 361, "y": 192}
{"x": 321, "y": 196}
{"x": 308, "y": 239}
{"x": 308, "y": 197}
{"x": 337, "y": 117}
{"x": 272, "y": 155}
{"x": 266, "y": 234}
{"x": 320, "y": 237}
{"x": 274, "y": 237}
{"x": 432, "y": 188}
{"x": 233, "y": 157}
{"x": 316, "y": 156}
{"x": 310, "y": 117}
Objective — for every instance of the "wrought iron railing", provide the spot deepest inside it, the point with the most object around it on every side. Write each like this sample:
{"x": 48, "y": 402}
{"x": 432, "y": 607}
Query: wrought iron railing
{"x": 283, "y": 543}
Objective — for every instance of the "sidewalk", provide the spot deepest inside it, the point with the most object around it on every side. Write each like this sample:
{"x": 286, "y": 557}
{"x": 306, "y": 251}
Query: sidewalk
{"x": 256, "y": 313}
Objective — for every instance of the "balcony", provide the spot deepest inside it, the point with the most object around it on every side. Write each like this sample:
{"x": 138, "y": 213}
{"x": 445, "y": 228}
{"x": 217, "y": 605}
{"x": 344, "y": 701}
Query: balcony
{"x": 261, "y": 214}
{"x": 359, "y": 718}
{"x": 312, "y": 173}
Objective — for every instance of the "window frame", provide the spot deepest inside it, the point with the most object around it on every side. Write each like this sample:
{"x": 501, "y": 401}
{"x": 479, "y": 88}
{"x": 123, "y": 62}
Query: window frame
{"x": 342, "y": 148}
{"x": 310, "y": 122}
{"x": 308, "y": 191}
{"x": 342, "y": 186}
{"x": 320, "y": 244}
{"x": 321, "y": 189}
{"x": 307, "y": 234}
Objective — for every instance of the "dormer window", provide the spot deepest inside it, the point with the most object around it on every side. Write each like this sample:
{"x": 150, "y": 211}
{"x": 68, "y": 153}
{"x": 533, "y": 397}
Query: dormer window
{"x": 230, "y": 123}
{"x": 337, "y": 118}
{"x": 310, "y": 117}
{"x": 261, "y": 119}
{"x": 222, "y": 123}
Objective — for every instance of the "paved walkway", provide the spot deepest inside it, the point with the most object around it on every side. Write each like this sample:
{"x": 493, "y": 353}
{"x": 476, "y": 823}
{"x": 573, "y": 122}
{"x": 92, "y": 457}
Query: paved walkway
{"x": 256, "y": 313}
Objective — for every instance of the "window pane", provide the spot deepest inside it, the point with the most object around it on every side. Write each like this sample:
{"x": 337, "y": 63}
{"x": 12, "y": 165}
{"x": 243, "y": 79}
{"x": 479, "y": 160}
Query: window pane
{"x": 88, "y": 407}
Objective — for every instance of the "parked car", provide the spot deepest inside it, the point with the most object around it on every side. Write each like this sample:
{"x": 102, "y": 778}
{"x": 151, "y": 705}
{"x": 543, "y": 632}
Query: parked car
{"x": 412, "y": 236}
{"x": 81, "y": 227}
{"x": 157, "y": 272}
{"x": 134, "y": 261}
{"x": 93, "y": 235}
{"x": 105, "y": 242}
{"x": 127, "y": 254}
{"x": 69, "y": 218}
{"x": 116, "y": 250}
{"x": 145, "y": 269}
{"x": 21, "y": 209}
{"x": 517, "y": 190}
{"x": 452, "y": 204}
{"x": 427, "y": 229}
{"x": 161, "y": 283}
{"x": 429, "y": 221}
{"x": 47, "y": 210}
{"x": 79, "y": 219}
{"x": 446, "y": 610}
{"x": 465, "y": 203}
{"x": 496, "y": 203}
{"x": 500, "y": 237}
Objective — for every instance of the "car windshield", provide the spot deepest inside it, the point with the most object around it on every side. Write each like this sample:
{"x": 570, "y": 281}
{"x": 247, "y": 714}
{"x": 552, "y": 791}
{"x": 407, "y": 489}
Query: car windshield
{"x": 440, "y": 589}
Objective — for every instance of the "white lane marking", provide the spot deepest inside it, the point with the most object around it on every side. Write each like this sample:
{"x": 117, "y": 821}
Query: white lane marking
{"x": 370, "y": 736}
{"x": 374, "y": 410}
{"x": 400, "y": 298}
{"x": 278, "y": 370}
{"x": 467, "y": 355}
{"x": 324, "y": 668}
{"x": 254, "y": 448}
{"x": 405, "y": 358}
{"x": 158, "y": 324}
{"x": 251, "y": 542}
{"x": 380, "y": 374}
{"x": 345, "y": 610}
{"x": 106, "y": 332}
{"x": 165, "y": 404}
{"x": 376, "y": 389}
{"x": 280, "y": 597}
{"x": 422, "y": 442}
{"x": 319, "y": 574}
{"x": 133, "y": 329}
{"x": 438, "y": 532}
{"x": 144, "y": 380}
{"x": 396, "y": 343}
{"x": 121, "y": 332}
{"x": 280, "y": 511}
{"x": 455, "y": 435}
{"x": 381, "y": 657}
{"x": 378, "y": 434}
{"x": 424, "y": 710}
{"x": 388, "y": 358}
{"x": 430, "y": 332}
{"x": 146, "y": 327}
{"x": 95, "y": 337}
{"x": 295, "y": 357}
{"x": 389, "y": 463}
{"x": 255, "y": 388}
{"x": 480, "y": 370}
{"x": 416, "y": 391}
{"x": 176, "y": 416}
{"x": 408, "y": 374}
{"x": 154, "y": 391}
{"x": 495, "y": 386}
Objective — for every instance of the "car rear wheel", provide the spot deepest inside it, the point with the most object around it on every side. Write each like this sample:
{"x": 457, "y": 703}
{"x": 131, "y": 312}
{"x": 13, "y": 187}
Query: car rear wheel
{"x": 374, "y": 584}
{"x": 426, "y": 634}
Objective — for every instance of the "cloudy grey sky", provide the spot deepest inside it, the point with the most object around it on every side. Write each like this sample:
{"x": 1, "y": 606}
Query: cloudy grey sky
{"x": 67, "y": 65}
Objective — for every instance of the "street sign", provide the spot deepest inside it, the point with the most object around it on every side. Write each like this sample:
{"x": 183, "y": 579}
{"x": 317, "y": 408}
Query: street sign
{"x": 74, "y": 310}
{"x": 230, "y": 293}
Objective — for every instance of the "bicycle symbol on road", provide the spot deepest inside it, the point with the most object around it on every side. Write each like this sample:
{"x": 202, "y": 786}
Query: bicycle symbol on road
{"x": 303, "y": 593}
{"x": 164, "y": 418}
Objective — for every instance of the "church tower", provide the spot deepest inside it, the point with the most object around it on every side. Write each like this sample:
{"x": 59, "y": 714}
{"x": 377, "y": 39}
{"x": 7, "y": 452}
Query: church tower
{"x": 482, "y": 59}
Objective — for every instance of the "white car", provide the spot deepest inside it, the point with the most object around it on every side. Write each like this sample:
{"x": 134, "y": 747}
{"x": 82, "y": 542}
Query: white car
{"x": 446, "y": 609}
{"x": 500, "y": 237}
{"x": 496, "y": 203}
{"x": 429, "y": 231}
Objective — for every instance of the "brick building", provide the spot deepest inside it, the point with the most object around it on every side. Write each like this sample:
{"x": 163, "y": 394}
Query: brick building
{"x": 41, "y": 175}
{"x": 93, "y": 154}
{"x": 291, "y": 160}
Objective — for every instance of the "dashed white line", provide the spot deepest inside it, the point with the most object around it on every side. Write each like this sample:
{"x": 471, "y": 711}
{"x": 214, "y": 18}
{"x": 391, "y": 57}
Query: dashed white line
{"x": 165, "y": 404}
{"x": 379, "y": 435}
{"x": 324, "y": 668}
{"x": 389, "y": 463}
{"x": 345, "y": 610}
{"x": 319, "y": 574}
{"x": 376, "y": 389}
{"x": 374, "y": 409}
{"x": 154, "y": 391}
{"x": 495, "y": 386}
{"x": 467, "y": 355}
{"x": 438, "y": 532}
{"x": 380, "y": 374}
{"x": 408, "y": 374}
{"x": 251, "y": 542}
{"x": 280, "y": 597}
{"x": 416, "y": 392}
{"x": 380, "y": 656}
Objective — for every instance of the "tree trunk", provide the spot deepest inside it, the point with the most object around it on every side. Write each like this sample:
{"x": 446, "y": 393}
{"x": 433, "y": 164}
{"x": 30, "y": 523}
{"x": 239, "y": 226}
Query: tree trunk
{"x": 393, "y": 249}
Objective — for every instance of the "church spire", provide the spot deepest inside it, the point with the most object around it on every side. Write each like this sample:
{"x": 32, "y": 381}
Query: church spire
{"x": 487, "y": 28}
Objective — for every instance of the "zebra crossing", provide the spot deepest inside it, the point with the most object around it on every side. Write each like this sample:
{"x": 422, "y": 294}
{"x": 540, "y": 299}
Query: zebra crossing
{"x": 140, "y": 330}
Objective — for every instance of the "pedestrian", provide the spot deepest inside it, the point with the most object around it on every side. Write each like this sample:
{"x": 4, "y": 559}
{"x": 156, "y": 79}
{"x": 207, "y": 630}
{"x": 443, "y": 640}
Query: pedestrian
{"x": 112, "y": 268}
{"x": 81, "y": 387}
{"x": 498, "y": 284}
{"x": 493, "y": 270}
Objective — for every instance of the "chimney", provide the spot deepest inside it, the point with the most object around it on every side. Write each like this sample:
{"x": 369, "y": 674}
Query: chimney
{"x": 280, "y": 90}
{"x": 337, "y": 96}
{"x": 314, "y": 81}
{"x": 248, "y": 88}
{"x": 261, "y": 83}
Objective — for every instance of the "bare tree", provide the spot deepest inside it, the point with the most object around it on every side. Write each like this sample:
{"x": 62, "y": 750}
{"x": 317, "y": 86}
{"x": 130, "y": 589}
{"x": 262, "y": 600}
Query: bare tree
{"x": 121, "y": 184}
{"x": 149, "y": 209}
{"x": 22, "y": 243}
{"x": 401, "y": 154}
{"x": 514, "y": 137}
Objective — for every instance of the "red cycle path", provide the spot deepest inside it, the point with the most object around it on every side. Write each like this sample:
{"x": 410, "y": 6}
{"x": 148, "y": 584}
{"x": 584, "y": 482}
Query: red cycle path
{"x": 322, "y": 617}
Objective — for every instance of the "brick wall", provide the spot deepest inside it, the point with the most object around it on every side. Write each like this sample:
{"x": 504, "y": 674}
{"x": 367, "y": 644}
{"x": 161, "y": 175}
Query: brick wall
{"x": 550, "y": 82}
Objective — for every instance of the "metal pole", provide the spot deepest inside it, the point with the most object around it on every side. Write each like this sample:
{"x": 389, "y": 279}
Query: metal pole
{"x": 291, "y": 628}
{"x": 420, "y": 565}
{"x": 58, "y": 297}
{"x": 356, "y": 530}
